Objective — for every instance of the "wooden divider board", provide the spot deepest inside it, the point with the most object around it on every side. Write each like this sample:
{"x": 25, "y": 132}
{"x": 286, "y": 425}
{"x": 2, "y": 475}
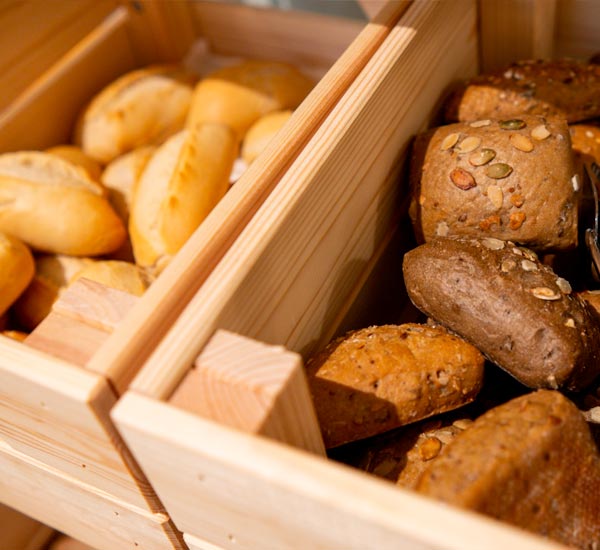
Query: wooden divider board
{"x": 577, "y": 28}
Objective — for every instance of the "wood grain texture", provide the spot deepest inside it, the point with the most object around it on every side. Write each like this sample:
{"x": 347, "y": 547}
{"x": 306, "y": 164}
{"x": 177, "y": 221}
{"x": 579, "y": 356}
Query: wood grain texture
{"x": 126, "y": 350}
{"x": 253, "y": 387}
{"x": 296, "y": 263}
{"x": 20, "y": 532}
{"x": 577, "y": 28}
{"x": 256, "y": 493}
{"x": 195, "y": 543}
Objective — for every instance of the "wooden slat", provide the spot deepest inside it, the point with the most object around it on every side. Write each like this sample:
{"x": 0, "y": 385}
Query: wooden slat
{"x": 297, "y": 261}
{"x": 577, "y": 28}
{"x": 253, "y": 387}
{"x": 194, "y": 543}
{"x": 89, "y": 515}
{"x": 20, "y": 532}
{"x": 245, "y": 492}
{"x": 126, "y": 349}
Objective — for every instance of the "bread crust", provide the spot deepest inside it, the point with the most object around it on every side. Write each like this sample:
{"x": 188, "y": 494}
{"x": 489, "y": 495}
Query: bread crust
{"x": 16, "y": 270}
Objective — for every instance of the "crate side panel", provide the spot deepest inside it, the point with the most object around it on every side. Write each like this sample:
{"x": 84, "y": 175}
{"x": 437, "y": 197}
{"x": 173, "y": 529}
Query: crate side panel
{"x": 22, "y": 532}
{"x": 577, "y": 28}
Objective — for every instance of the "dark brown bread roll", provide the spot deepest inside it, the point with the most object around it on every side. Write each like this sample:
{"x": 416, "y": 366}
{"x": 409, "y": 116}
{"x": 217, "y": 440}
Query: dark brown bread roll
{"x": 565, "y": 87}
{"x": 531, "y": 462}
{"x": 505, "y": 302}
{"x": 509, "y": 179}
{"x": 378, "y": 378}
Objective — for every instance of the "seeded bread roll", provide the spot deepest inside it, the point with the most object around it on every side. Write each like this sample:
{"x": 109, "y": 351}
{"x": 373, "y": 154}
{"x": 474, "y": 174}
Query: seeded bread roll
{"x": 239, "y": 95}
{"x": 531, "y": 462}
{"x": 512, "y": 180}
{"x": 501, "y": 299}
{"x": 53, "y": 206}
{"x": 142, "y": 107}
{"x": 376, "y": 379}
{"x": 16, "y": 270}
{"x": 261, "y": 133}
{"x": 564, "y": 87}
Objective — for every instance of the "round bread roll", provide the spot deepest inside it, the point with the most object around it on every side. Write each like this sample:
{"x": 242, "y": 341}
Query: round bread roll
{"x": 239, "y": 95}
{"x": 183, "y": 181}
{"x": 74, "y": 154}
{"x": 261, "y": 133}
{"x": 140, "y": 108}
{"x": 54, "y": 206}
{"x": 16, "y": 270}
{"x": 52, "y": 275}
{"x": 123, "y": 276}
{"x": 15, "y": 334}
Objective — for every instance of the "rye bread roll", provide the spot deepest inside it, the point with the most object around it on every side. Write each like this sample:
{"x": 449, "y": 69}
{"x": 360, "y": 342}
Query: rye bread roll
{"x": 531, "y": 462}
{"x": 16, "y": 270}
{"x": 53, "y": 206}
{"x": 564, "y": 87}
{"x": 509, "y": 179}
{"x": 376, "y": 379}
{"x": 516, "y": 311}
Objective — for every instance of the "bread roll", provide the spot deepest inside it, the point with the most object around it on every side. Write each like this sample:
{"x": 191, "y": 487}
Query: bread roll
{"x": 564, "y": 87}
{"x": 239, "y": 95}
{"x": 182, "y": 182}
{"x": 16, "y": 270}
{"x": 15, "y": 335}
{"x": 261, "y": 133}
{"x": 123, "y": 276}
{"x": 510, "y": 179}
{"x": 376, "y": 379}
{"x": 53, "y": 206}
{"x": 514, "y": 309}
{"x": 142, "y": 107}
{"x": 74, "y": 154}
{"x": 531, "y": 462}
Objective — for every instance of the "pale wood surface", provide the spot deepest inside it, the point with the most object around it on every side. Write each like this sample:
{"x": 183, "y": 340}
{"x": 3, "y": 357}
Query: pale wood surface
{"x": 296, "y": 263}
{"x": 578, "y": 28}
{"x": 246, "y": 492}
{"x": 125, "y": 351}
{"x": 506, "y": 37}
{"x": 194, "y": 543}
{"x": 20, "y": 532}
{"x": 253, "y": 387}
{"x": 81, "y": 511}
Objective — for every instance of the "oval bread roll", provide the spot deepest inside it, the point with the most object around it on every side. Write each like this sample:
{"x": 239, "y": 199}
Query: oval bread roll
{"x": 123, "y": 276}
{"x": 181, "y": 184}
{"x": 54, "y": 206}
{"x": 239, "y": 95}
{"x": 140, "y": 108}
{"x": 75, "y": 155}
{"x": 261, "y": 133}
{"x": 16, "y": 270}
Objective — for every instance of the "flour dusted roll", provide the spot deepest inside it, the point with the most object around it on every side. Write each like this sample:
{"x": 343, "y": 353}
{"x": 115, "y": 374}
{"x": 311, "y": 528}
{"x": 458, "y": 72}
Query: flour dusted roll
{"x": 54, "y": 206}
{"x": 140, "y": 108}
{"x": 239, "y": 95}
{"x": 182, "y": 182}
{"x": 16, "y": 270}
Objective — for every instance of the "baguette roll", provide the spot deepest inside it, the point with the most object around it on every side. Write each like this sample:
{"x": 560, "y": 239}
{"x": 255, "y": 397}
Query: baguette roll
{"x": 261, "y": 133}
{"x": 16, "y": 270}
{"x": 182, "y": 182}
{"x": 54, "y": 206}
{"x": 75, "y": 155}
{"x": 140, "y": 108}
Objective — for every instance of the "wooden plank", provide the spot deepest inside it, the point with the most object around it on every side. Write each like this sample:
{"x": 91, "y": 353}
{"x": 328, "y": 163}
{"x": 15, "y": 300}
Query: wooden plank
{"x": 297, "y": 261}
{"x": 253, "y": 387}
{"x": 83, "y": 512}
{"x": 126, "y": 350}
{"x": 577, "y": 28}
{"x": 240, "y": 491}
{"x": 506, "y": 37}
{"x": 21, "y": 532}
{"x": 58, "y": 95}
{"x": 195, "y": 543}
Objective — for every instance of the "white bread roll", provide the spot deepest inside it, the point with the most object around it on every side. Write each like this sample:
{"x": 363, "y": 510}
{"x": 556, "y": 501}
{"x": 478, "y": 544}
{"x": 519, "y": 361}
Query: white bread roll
{"x": 123, "y": 276}
{"x": 53, "y": 206}
{"x": 239, "y": 95}
{"x": 261, "y": 133}
{"x": 16, "y": 270}
{"x": 181, "y": 184}
{"x": 140, "y": 108}
{"x": 75, "y": 155}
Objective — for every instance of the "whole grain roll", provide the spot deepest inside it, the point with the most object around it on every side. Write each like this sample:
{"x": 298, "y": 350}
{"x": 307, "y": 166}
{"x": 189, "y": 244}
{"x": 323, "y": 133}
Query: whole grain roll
{"x": 16, "y": 270}
{"x": 564, "y": 87}
{"x": 378, "y": 378}
{"x": 515, "y": 310}
{"x": 531, "y": 462}
{"x": 509, "y": 179}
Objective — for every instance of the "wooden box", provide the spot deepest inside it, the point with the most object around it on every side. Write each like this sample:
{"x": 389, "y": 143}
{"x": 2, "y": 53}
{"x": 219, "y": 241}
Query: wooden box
{"x": 61, "y": 458}
{"x": 20, "y": 532}
{"x": 219, "y": 417}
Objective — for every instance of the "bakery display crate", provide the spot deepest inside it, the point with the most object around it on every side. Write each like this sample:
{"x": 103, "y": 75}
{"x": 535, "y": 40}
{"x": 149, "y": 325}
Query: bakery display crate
{"x": 62, "y": 460}
{"x": 220, "y": 418}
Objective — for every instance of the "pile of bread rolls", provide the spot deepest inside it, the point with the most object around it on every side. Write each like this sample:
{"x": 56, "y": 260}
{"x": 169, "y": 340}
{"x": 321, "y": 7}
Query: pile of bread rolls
{"x": 500, "y": 273}
{"x": 152, "y": 154}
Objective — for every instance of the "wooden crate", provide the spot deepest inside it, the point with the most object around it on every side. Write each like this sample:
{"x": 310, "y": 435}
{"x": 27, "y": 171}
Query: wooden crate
{"x": 219, "y": 417}
{"x": 20, "y": 532}
{"x": 61, "y": 458}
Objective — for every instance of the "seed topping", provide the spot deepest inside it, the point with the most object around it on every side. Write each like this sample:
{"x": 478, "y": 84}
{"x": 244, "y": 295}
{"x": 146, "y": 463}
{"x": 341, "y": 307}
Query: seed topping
{"x": 516, "y": 219}
{"x": 481, "y": 157}
{"x": 498, "y": 171}
{"x": 512, "y": 124}
{"x": 480, "y": 123}
{"x": 545, "y": 293}
{"x": 469, "y": 144}
{"x": 540, "y": 132}
{"x": 492, "y": 244}
{"x": 564, "y": 285}
{"x": 449, "y": 141}
{"x": 521, "y": 142}
{"x": 495, "y": 195}
{"x": 528, "y": 265}
{"x": 462, "y": 179}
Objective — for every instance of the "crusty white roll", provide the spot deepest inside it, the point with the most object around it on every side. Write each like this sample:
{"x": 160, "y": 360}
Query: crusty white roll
{"x": 183, "y": 181}
{"x": 75, "y": 154}
{"x": 123, "y": 276}
{"x": 53, "y": 206}
{"x": 142, "y": 107}
{"x": 16, "y": 270}
{"x": 239, "y": 95}
{"x": 261, "y": 133}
